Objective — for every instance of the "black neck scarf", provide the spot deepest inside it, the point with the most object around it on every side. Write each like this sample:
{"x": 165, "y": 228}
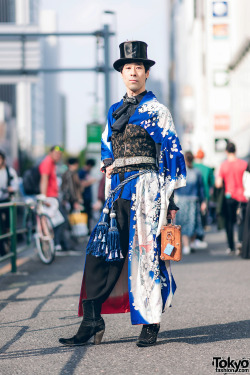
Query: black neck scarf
{"x": 127, "y": 109}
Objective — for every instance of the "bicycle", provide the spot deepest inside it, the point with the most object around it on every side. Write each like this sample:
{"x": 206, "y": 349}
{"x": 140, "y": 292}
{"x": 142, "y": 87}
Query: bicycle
{"x": 44, "y": 232}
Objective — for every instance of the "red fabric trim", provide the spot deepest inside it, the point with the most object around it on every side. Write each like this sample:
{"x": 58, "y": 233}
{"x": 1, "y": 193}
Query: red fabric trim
{"x": 116, "y": 305}
{"x": 118, "y": 301}
{"x": 113, "y": 305}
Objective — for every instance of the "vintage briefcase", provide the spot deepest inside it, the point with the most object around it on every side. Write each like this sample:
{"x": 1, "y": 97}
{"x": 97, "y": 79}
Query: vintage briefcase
{"x": 171, "y": 242}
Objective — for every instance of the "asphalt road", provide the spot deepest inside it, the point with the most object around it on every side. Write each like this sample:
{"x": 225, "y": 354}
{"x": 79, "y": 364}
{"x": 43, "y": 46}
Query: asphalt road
{"x": 210, "y": 318}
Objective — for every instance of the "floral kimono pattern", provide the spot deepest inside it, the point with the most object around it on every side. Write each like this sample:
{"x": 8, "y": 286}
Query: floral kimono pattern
{"x": 149, "y": 284}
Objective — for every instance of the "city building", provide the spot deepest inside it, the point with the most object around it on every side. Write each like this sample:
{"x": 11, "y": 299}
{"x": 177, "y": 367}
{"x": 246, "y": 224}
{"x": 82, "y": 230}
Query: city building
{"x": 239, "y": 68}
{"x": 35, "y": 99}
{"x": 205, "y": 39}
{"x": 22, "y": 93}
{"x": 53, "y": 121}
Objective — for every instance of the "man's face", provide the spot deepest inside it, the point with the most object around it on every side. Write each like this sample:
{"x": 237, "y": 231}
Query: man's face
{"x": 73, "y": 167}
{"x": 134, "y": 77}
{"x": 56, "y": 155}
{"x": 88, "y": 167}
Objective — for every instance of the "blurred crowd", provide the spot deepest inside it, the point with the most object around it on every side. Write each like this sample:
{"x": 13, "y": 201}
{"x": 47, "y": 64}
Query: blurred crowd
{"x": 218, "y": 197}
{"x": 66, "y": 183}
{"x": 211, "y": 198}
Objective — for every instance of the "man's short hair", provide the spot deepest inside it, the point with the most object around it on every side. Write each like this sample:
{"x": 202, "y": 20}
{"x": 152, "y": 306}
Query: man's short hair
{"x": 56, "y": 148}
{"x": 146, "y": 66}
{"x": 2, "y": 155}
{"x": 231, "y": 149}
{"x": 72, "y": 161}
{"x": 189, "y": 157}
{"x": 91, "y": 162}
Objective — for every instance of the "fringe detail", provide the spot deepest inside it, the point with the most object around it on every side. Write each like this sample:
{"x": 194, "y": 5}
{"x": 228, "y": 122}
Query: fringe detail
{"x": 105, "y": 241}
{"x": 98, "y": 239}
{"x": 114, "y": 245}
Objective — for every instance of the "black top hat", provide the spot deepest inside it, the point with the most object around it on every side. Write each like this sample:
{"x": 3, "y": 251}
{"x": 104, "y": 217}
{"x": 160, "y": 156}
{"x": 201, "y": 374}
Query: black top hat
{"x": 134, "y": 51}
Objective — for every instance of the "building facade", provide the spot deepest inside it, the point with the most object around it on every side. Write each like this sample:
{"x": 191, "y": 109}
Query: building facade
{"x": 204, "y": 40}
{"x": 34, "y": 99}
{"x": 20, "y": 92}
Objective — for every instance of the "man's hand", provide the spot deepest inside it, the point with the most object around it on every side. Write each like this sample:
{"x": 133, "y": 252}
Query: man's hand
{"x": 171, "y": 214}
{"x": 98, "y": 205}
{"x": 90, "y": 181}
{"x": 203, "y": 207}
{"x": 77, "y": 206}
{"x": 109, "y": 170}
{"x": 219, "y": 182}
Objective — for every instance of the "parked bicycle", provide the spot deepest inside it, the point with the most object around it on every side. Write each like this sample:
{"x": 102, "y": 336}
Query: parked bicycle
{"x": 44, "y": 232}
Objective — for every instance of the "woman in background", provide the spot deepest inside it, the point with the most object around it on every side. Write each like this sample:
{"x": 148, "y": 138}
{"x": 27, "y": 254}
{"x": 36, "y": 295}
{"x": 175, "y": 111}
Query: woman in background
{"x": 191, "y": 201}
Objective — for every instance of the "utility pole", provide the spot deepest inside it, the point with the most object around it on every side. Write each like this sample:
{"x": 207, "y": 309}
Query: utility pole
{"x": 106, "y": 67}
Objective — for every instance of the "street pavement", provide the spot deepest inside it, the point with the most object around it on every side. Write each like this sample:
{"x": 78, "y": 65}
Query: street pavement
{"x": 210, "y": 317}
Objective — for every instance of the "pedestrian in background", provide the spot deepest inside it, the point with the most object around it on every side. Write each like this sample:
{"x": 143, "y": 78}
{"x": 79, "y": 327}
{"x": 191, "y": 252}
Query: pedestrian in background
{"x": 71, "y": 187}
{"x": 49, "y": 188}
{"x": 8, "y": 186}
{"x": 230, "y": 176}
{"x": 87, "y": 181}
{"x": 191, "y": 201}
{"x": 246, "y": 234}
{"x": 207, "y": 174}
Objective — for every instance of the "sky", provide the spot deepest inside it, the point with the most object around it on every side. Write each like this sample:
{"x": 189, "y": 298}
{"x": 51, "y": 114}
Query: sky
{"x": 144, "y": 20}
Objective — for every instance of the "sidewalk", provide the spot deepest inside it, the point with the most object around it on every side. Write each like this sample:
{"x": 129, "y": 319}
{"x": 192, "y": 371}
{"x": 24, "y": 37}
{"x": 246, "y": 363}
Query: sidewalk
{"x": 210, "y": 318}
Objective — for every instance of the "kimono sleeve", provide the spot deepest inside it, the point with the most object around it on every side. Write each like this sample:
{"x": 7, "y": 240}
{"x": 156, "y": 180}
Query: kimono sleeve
{"x": 158, "y": 122}
{"x": 172, "y": 168}
{"x": 156, "y": 119}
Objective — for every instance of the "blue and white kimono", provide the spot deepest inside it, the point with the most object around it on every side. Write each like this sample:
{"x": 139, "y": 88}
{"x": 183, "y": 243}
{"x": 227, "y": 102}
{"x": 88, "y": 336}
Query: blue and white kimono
{"x": 149, "y": 282}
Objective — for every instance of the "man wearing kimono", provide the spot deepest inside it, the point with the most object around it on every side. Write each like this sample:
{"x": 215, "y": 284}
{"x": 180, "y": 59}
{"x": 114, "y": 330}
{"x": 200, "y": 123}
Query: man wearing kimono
{"x": 142, "y": 156}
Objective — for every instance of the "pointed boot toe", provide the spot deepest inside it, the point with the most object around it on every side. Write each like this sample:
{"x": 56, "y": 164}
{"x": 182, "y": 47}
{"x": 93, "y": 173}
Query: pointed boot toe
{"x": 71, "y": 341}
{"x": 92, "y": 325}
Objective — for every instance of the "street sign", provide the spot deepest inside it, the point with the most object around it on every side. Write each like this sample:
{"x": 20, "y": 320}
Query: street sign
{"x": 220, "y": 31}
{"x": 94, "y": 132}
{"x": 220, "y": 9}
{"x": 221, "y": 78}
{"x": 220, "y": 144}
{"x": 221, "y": 122}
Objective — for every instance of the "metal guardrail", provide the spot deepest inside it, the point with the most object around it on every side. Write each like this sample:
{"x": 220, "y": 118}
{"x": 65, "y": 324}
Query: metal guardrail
{"x": 12, "y": 234}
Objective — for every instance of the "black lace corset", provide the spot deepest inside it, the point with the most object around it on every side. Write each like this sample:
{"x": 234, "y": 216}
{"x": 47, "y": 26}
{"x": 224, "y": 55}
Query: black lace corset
{"x": 133, "y": 141}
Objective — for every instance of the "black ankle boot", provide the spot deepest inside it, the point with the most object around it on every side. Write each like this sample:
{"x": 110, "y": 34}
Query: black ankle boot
{"x": 148, "y": 335}
{"x": 92, "y": 325}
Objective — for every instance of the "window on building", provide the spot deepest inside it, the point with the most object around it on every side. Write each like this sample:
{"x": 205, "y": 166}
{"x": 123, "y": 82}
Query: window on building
{"x": 7, "y": 11}
{"x": 8, "y": 95}
{"x": 34, "y": 11}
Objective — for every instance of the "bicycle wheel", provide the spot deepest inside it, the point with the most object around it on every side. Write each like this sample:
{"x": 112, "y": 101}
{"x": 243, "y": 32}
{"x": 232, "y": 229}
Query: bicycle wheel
{"x": 45, "y": 239}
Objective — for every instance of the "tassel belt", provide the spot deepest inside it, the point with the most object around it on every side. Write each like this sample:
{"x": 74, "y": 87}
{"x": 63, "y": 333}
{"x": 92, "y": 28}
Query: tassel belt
{"x": 104, "y": 241}
{"x": 123, "y": 162}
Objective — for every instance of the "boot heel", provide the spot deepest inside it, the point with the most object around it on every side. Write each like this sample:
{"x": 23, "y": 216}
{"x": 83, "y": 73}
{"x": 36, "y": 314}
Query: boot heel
{"x": 98, "y": 337}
